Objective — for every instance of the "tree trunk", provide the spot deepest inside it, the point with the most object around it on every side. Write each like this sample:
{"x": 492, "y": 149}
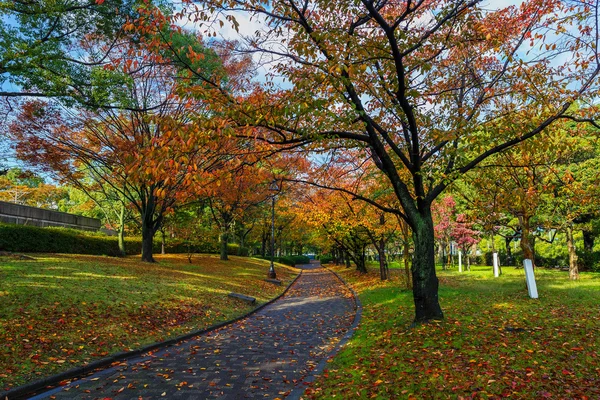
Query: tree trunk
{"x": 162, "y": 242}
{"x": 360, "y": 261}
{"x": 425, "y": 281}
{"x": 573, "y": 270}
{"x": 121, "y": 232}
{"x": 147, "y": 243}
{"x": 383, "y": 265}
{"x": 588, "y": 240}
{"x": 509, "y": 257}
{"x": 468, "y": 261}
{"x": 263, "y": 244}
{"x": 224, "y": 238}
{"x": 406, "y": 257}
{"x": 149, "y": 228}
{"x": 527, "y": 240}
{"x": 347, "y": 258}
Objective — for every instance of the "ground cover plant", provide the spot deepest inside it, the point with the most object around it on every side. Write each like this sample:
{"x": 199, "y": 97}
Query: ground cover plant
{"x": 61, "y": 311}
{"x": 494, "y": 343}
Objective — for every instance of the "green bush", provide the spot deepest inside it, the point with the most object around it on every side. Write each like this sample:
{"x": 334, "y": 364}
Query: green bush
{"x": 293, "y": 260}
{"x": 289, "y": 260}
{"x": 517, "y": 258}
{"x": 31, "y": 239}
{"x": 589, "y": 260}
{"x": 325, "y": 258}
{"x": 234, "y": 249}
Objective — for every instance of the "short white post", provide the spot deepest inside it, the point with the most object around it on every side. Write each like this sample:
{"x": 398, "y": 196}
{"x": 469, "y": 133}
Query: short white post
{"x": 496, "y": 265}
{"x": 459, "y": 261}
{"x": 530, "y": 278}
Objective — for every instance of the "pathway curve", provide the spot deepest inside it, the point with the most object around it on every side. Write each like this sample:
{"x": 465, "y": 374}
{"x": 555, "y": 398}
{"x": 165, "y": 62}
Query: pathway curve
{"x": 266, "y": 355}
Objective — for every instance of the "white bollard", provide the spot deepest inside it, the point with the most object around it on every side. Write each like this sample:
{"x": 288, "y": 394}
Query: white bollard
{"x": 530, "y": 278}
{"x": 496, "y": 265}
{"x": 459, "y": 261}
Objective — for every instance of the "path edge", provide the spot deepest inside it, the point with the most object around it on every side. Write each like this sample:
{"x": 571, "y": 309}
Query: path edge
{"x": 37, "y": 387}
{"x": 298, "y": 391}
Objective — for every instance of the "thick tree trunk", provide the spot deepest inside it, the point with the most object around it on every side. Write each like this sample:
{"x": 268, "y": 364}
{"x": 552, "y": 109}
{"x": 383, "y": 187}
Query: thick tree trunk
{"x": 527, "y": 240}
{"x": 360, "y": 261}
{"x": 509, "y": 257}
{"x": 573, "y": 270}
{"x": 121, "y": 240}
{"x": 147, "y": 242}
{"x": 224, "y": 239}
{"x": 383, "y": 265}
{"x": 425, "y": 281}
{"x": 150, "y": 224}
{"x": 588, "y": 240}
{"x": 406, "y": 257}
{"x": 347, "y": 258}
{"x": 121, "y": 232}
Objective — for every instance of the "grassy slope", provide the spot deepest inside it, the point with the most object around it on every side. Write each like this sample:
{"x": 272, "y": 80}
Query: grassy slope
{"x": 472, "y": 354}
{"x": 63, "y": 310}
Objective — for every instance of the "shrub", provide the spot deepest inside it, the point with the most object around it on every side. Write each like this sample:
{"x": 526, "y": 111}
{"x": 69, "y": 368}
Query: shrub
{"x": 589, "y": 260}
{"x": 294, "y": 260}
{"x": 325, "y": 258}
{"x": 30, "y": 239}
{"x": 517, "y": 258}
{"x": 234, "y": 249}
{"x": 33, "y": 239}
{"x": 289, "y": 260}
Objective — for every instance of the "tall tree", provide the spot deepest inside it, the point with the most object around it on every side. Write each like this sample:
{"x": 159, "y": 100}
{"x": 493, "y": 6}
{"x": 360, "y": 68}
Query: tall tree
{"x": 147, "y": 147}
{"x": 424, "y": 90}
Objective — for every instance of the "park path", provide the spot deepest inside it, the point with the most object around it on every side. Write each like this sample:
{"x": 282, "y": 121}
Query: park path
{"x": 266, "y": 355}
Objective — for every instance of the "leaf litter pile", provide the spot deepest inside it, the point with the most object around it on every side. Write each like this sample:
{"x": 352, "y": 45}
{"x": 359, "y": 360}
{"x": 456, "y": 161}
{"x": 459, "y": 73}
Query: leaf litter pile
{"x": 495, "y": 342}
{"x": 62, "y": 311}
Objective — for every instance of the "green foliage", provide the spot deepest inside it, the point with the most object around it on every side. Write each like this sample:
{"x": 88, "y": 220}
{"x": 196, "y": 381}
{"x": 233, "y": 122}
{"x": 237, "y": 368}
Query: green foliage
{"x": 589, "y": 260}
{"x": 325, "y": 258}
{"x": 37, "y": 41}
{"x": 234, "y": 249}
{"x": 30, "y": 239}
{"x": 289, "y": 260}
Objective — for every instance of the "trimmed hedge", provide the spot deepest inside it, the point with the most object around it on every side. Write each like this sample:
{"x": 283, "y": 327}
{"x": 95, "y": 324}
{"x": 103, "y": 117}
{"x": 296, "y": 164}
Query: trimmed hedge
{"x": 325, "y": 258}
{"x": 289, "y": 260}
{"x": 33, "y": 239}
{"x": 234, "y": 249}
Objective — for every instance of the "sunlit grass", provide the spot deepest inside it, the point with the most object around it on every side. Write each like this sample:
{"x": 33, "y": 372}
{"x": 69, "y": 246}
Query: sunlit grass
{"x": 63, "y": 310}
{"x": 495, "y": 341}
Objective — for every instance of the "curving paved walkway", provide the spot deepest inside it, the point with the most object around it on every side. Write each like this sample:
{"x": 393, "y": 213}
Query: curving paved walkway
{"x": 266, "y": 355}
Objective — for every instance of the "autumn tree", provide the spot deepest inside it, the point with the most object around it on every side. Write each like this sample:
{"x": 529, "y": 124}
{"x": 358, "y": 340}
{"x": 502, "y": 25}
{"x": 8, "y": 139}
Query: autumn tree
{"x": 25, "y": 187}
{"x": 444, "y": 224}
{"x": 423, "y": 90}
{"x": 146, "y": 146}
{"x": 233, "y": 192}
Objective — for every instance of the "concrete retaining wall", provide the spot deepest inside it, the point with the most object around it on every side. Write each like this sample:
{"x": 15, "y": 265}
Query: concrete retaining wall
{"x": 25, "y": 215}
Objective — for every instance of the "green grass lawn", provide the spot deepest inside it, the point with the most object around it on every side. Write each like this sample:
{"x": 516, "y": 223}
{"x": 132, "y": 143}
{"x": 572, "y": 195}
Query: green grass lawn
{"x": 61, "y": 311}
{"x": 494, "y": 342}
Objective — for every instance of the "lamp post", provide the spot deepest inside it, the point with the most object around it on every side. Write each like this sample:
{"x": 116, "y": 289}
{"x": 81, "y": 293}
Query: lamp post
{"x": 275, "y": 189}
